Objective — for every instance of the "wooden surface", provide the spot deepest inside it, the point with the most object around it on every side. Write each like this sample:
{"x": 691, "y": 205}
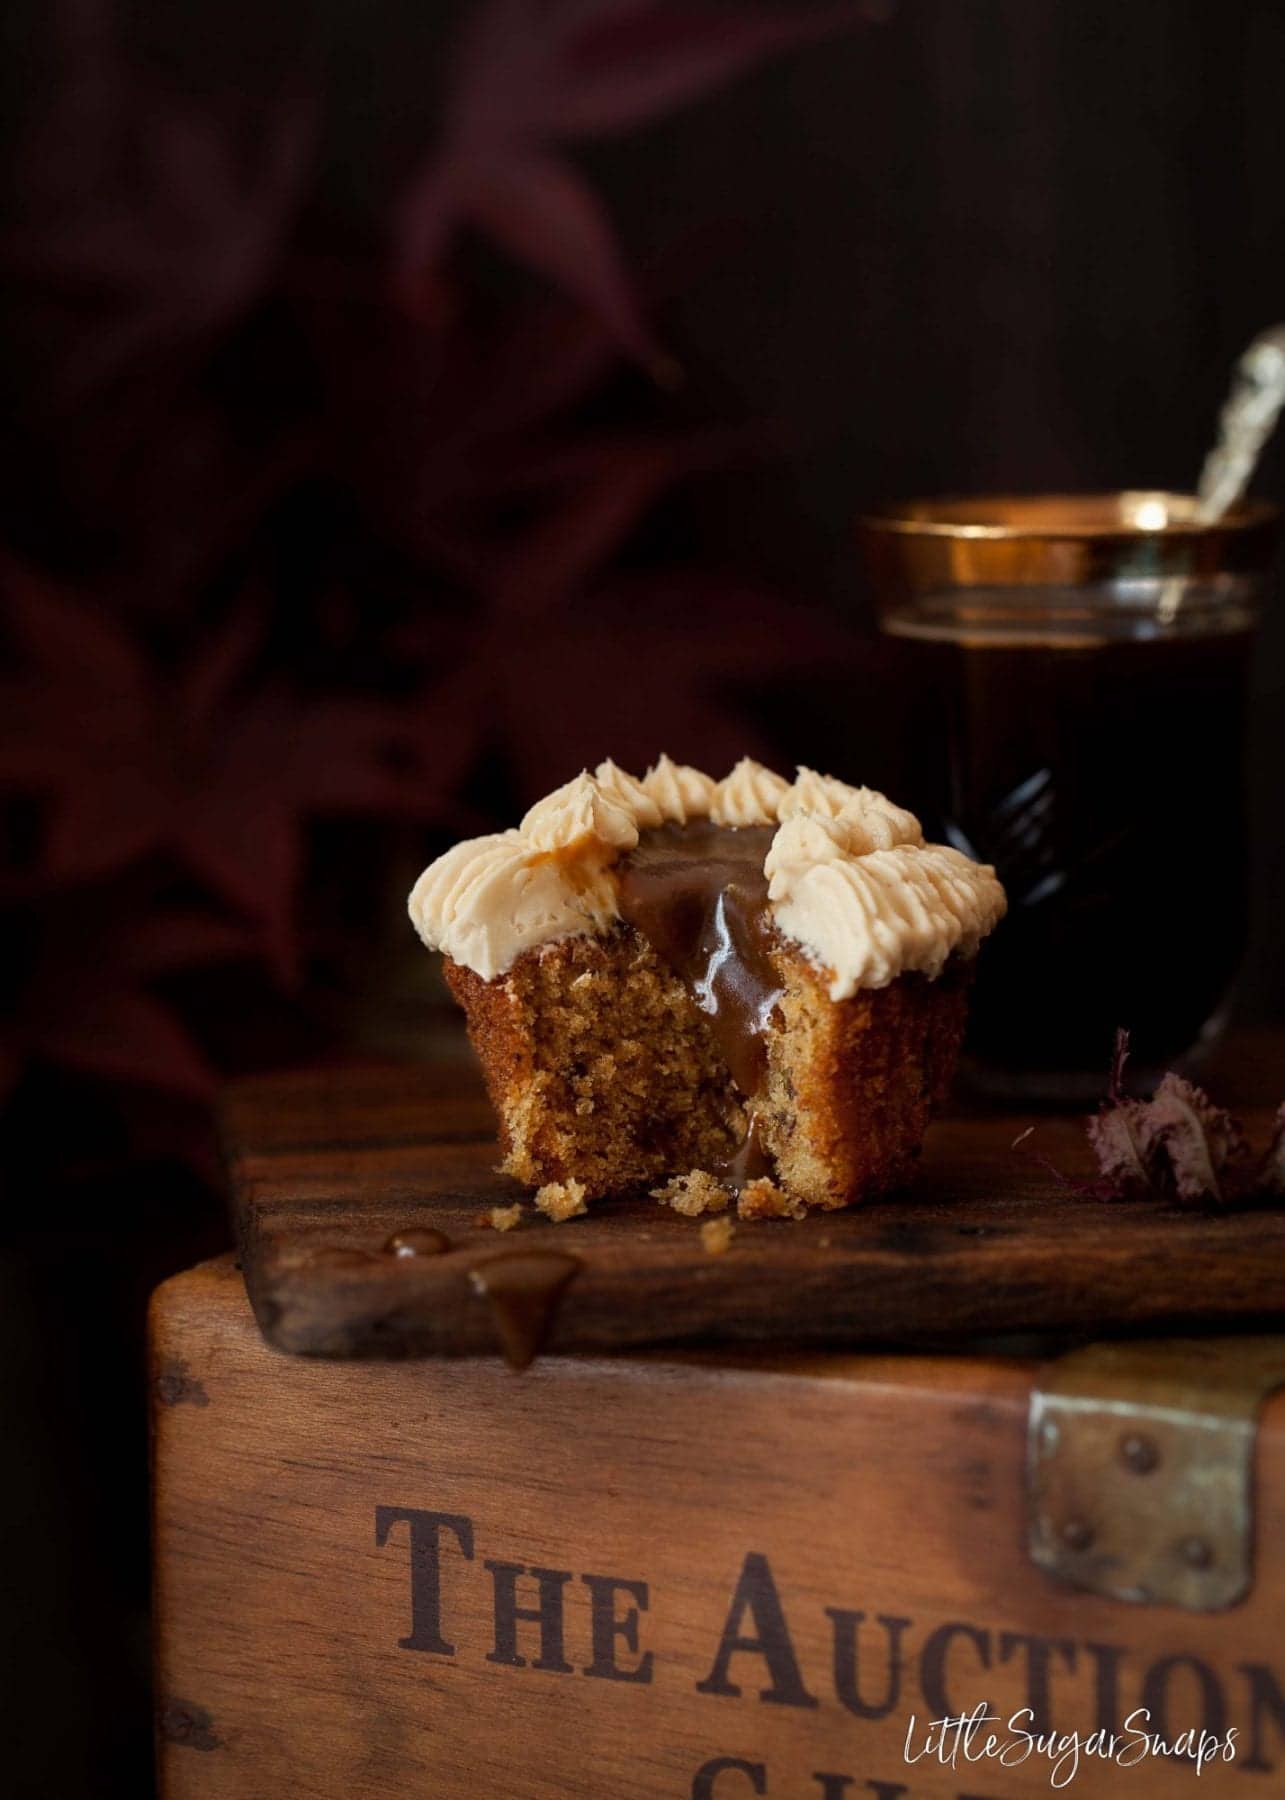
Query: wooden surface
{"x": 881, "y": 1494}
{"x": 327, "y": 1166}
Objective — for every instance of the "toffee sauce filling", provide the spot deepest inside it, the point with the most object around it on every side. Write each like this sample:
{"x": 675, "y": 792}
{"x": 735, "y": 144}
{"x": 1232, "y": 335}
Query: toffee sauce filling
{"x": 698, "y": 894}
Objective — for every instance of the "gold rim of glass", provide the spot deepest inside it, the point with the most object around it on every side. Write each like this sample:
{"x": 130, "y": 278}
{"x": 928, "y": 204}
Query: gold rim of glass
{"x": 1039, "y": 539}
{"x": 1125, "y": 514}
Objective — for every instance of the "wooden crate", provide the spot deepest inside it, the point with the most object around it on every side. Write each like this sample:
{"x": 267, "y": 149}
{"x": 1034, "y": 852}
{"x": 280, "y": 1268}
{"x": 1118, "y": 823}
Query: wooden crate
{"x": 666, "y": 1574}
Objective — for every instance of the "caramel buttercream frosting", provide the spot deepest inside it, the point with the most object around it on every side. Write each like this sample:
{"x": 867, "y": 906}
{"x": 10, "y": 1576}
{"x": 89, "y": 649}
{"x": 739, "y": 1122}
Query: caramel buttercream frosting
{"x": 849, "y": 878}
{"x": 681, "y": 792}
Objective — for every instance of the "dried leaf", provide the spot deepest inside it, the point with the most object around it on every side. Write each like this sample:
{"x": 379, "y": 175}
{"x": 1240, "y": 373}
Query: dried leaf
{"x": 1178, "y": 1145}
{"x": 1116, "y": 1139}
{"x": 1197, "y": 1148}
{"x": 1271, "y": 1174}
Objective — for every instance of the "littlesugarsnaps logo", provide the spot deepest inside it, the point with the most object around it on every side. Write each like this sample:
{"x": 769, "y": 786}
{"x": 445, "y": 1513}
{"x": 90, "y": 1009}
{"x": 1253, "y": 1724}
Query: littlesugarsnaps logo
{"x": 983, "y": 1736}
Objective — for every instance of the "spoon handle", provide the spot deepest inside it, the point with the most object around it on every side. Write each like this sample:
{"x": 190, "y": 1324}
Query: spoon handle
{"x": 1256, "y": 397}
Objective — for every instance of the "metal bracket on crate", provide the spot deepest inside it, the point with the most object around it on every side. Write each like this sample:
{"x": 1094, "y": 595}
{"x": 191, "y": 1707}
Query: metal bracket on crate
{"x": 1140, "y": 1467}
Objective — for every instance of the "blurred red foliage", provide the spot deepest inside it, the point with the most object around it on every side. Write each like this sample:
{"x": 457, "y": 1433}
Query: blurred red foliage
{"x": 531, "y": 77}
{"x": 299, "y": 527}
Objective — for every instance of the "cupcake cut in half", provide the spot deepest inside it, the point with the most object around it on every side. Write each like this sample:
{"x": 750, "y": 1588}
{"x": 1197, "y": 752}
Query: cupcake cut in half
{"x": 748, "y": 988}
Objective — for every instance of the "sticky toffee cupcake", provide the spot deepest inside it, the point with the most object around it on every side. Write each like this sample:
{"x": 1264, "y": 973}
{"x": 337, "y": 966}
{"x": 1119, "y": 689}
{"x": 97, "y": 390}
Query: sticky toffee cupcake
{"x": 748, "y": 989}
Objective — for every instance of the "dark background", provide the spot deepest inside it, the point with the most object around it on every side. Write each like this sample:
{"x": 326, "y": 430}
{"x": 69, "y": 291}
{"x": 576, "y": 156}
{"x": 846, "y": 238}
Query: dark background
{"x": 370, "y": 463}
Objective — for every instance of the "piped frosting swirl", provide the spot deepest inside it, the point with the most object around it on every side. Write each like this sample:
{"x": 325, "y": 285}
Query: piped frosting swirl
{"x": 681, "y": 792}
{"x": 750, "y": 795}
{"x": 850, "y": 879}
{"x": 585, "y": 814}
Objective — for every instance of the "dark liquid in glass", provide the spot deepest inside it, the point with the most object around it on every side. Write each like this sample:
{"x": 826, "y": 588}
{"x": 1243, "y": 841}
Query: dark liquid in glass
{"x": 1095, "y": 756}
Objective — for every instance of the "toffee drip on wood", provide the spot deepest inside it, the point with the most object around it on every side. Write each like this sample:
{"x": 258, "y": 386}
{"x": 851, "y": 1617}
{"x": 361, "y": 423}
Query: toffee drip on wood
{"x": 338, "y": 1256}
{"x": 418, "y": 1240}
{"x": 524, "y": 1288}
{"x": 698, "y": 894}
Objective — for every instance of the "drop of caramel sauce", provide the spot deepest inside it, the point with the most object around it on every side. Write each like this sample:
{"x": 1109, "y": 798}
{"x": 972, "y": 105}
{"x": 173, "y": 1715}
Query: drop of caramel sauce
{"x": 417, "y": 1240}
{"x": 524, "y": 1289}
{"x": 748, "y": 1162}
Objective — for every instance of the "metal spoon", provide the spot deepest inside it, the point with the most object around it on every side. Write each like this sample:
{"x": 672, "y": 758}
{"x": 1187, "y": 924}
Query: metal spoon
{"x": 1251, "y": 410}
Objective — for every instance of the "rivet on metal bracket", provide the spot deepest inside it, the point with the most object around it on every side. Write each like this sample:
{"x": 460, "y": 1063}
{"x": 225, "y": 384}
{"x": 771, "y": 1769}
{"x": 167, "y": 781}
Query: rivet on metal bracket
{"x": 1140, "y": 1467}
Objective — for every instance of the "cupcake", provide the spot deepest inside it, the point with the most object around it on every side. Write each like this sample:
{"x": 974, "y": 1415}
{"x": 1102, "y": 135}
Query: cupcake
{"x": 750, "y": 990}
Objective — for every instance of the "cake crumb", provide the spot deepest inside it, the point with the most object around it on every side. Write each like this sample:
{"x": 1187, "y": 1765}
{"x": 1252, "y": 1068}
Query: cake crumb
{"x": 502, "y": 1218}
{"x": 716, "y": 1235}
{"x": 561, "y": 1200}
{"x": 692, "y": 1194}
{"x": 763, "y": 1199}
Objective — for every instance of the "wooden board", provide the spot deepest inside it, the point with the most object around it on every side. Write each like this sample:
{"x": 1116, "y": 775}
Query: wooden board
{"x": 327, "y": 1166}
{"x": 565, "y": 1626}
